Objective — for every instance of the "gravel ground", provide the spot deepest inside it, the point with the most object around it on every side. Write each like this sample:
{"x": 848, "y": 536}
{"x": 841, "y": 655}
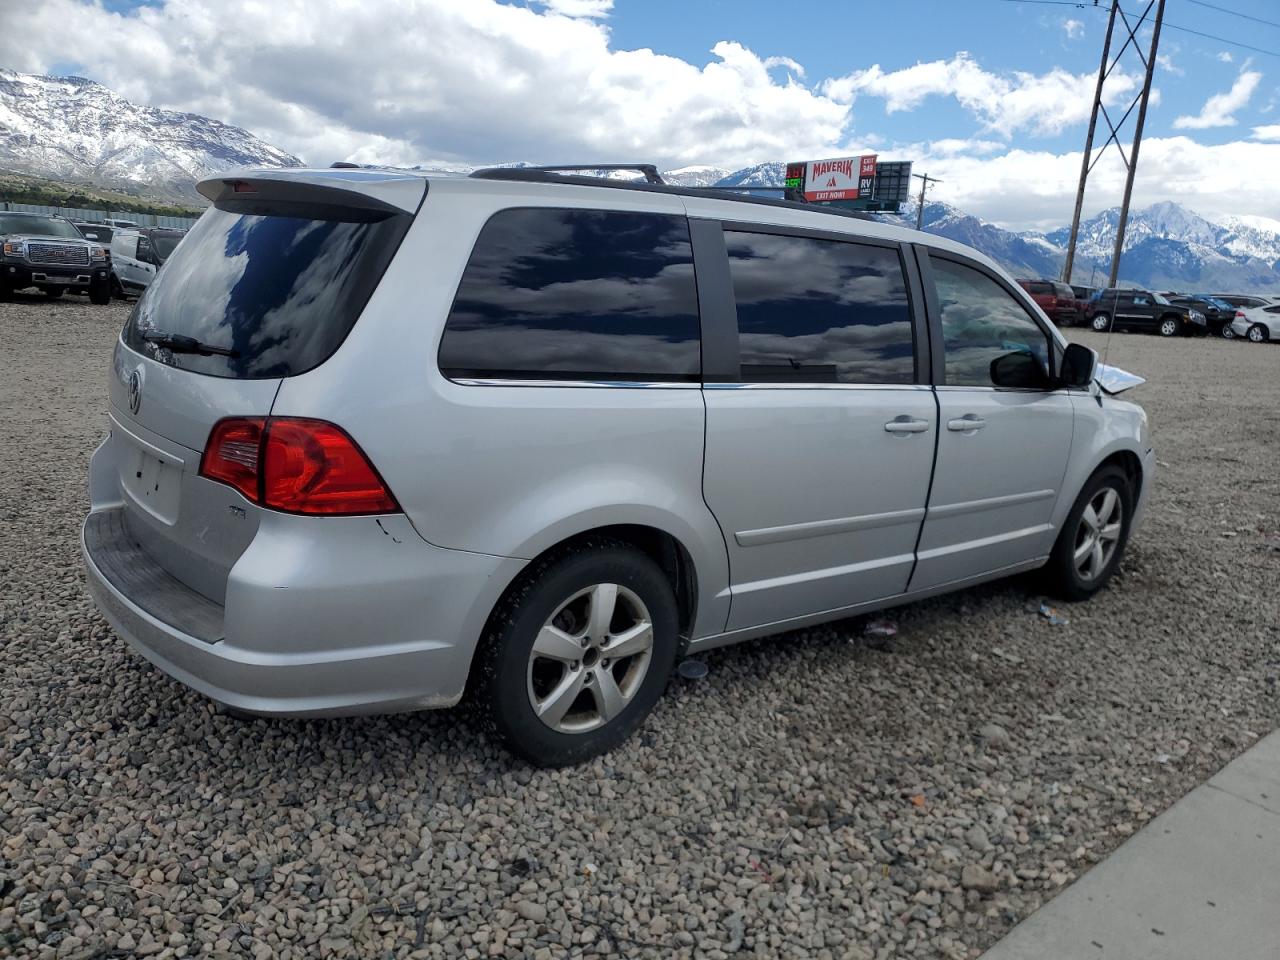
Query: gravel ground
{"x": 812, "y": 797}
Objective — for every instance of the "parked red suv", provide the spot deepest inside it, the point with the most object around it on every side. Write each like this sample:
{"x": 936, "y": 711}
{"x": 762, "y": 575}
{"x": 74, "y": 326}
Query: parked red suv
{"x": 1056, "y": 299}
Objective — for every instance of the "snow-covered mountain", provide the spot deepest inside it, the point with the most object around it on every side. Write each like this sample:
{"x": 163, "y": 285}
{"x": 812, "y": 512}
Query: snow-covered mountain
{"x": 1166, "y": 246}
{"x": 69, "y": 128}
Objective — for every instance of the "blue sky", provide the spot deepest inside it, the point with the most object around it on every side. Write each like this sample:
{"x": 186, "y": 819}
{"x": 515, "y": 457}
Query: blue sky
{"x": 991, "y": 95}
{"x": 1001, "y": 35}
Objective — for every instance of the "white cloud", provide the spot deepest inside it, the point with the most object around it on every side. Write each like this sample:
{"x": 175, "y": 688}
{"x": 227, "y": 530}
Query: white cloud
{"x": 1034, "y": 189}
{"x": 1218, "y": 109}
{"x": 578, "y": 8}
{"x": 1225, "y": 56}
{"x": 1167, "y": 65}
{"x": 1043, "y": 103}
{"x": 410, "y": 81}
{"x": 1073, "y": 28}
{"x": 1270, "y": 131}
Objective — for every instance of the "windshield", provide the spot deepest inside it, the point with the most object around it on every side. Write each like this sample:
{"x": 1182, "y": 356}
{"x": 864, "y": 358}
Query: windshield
{"x": 1160, "y": 300}
{"x": 282, "y": 292}
{"x": 163, "y": 245}
{"x": 39, "y": 226}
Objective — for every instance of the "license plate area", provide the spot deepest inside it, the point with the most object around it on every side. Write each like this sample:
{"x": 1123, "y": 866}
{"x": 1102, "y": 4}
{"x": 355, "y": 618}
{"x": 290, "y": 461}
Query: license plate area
{"x": 152, "y": 479}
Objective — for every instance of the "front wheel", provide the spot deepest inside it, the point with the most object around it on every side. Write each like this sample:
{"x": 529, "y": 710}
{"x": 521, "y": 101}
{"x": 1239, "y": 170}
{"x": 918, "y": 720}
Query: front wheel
{"x": 1168, "y": 327}
{"x": 578, "y": 652}
{"x": 1257, "y": 334}
{"x": 1101, "y": 322}
{"x": 1093, "y": 538}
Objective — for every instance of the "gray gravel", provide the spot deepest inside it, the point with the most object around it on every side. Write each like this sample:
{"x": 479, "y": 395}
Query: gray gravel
{"x": 812, "y": 797}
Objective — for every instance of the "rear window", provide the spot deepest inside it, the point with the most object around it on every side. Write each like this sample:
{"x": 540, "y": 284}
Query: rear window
{"x": 576, "y": 295}
{"x": 282, "y": 292}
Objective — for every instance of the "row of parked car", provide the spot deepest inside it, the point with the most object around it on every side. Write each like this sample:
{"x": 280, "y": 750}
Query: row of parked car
{"x": 113, "y": 258}
{"x": 1169, "y": 314}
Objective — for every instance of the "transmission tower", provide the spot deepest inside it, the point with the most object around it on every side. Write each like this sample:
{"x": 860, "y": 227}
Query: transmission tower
{"x": 1129, "y": 30}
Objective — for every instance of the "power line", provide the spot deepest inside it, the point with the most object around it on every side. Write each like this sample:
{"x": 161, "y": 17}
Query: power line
{"x": 1234, "y": 13}
{"x": 1172, "y": 26}
{"x": 1230, "y": 43}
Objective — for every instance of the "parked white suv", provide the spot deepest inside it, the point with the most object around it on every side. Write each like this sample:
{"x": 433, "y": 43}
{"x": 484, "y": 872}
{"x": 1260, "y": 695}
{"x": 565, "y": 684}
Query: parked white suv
{"x": 378, "y": 439}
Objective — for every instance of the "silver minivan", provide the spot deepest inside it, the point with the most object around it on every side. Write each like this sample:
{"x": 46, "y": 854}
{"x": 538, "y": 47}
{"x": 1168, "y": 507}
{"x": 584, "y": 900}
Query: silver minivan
{"x": 379, "y": 440}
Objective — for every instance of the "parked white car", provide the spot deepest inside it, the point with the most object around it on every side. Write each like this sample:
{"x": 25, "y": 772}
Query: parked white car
{"x": 1258, "y": 324}
{"x": 137, "y": 255}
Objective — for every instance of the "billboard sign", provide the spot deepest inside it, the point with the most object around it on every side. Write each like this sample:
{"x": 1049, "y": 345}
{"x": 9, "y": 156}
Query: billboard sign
{"x": 841, "y": 178}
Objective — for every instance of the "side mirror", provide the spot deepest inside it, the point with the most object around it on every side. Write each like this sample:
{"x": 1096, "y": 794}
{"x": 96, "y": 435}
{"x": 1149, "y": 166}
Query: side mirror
{"x": 1020, "y": 370}
{"x": 1079, "y": 364}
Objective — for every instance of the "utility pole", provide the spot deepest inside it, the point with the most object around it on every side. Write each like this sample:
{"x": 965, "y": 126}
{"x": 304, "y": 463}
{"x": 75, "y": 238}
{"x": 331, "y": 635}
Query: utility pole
{"x": 925, "y": 180}
{"x": 1089, "y": 160}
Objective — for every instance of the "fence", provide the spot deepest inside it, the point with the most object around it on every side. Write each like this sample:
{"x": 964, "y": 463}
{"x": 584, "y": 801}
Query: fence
{"x": 97, "y": 216}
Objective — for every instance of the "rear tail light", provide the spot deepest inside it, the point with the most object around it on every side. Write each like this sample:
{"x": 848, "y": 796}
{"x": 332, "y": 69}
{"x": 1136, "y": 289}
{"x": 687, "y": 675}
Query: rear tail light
{"x": 1239, "y": 314}
{"x": 295, "y": 465}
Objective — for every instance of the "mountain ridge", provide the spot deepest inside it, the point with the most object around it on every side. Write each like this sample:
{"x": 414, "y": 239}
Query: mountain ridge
{"x": 76, "y": 130}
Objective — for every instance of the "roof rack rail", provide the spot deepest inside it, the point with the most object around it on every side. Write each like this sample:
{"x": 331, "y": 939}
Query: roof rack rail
{"x": 788, "y": 193}
{"x": 793, "y": 199}
{"x": 649, "y": 171}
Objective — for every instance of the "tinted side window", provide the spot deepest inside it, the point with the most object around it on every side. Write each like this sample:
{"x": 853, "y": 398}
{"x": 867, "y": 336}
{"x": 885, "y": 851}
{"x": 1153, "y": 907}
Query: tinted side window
{"x": 981, "y": 321}
{"x": 814, "y": 311}
{"x": 1037, "y": 287}
{"x": 576, "y": 294}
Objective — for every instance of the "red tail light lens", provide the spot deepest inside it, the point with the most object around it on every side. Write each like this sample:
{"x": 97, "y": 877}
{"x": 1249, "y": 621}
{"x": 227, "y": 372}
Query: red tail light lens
{"x": 233, "y": 453}
{"x": 295, "y": 465}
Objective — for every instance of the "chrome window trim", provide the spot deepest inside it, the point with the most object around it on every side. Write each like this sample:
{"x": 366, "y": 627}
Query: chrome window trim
{"x": 954, "y": 387}
{"x": 757, "y": 385}
{"x": 592, "y": 384}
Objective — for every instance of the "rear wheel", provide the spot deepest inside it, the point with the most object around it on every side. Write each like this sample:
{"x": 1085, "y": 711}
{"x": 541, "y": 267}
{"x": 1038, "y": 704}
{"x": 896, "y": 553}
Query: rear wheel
{"x": 100, "y": 291}
{"x": 53, "y": 293}
{"x": 1093, "y": 538}
{"x": 578, "y": 652}
{"x": 1169, "y": 327}
{"x": 1257, "y": 334}
{"x": 1226, "y": 331}
{"x": 1101, "y": 322}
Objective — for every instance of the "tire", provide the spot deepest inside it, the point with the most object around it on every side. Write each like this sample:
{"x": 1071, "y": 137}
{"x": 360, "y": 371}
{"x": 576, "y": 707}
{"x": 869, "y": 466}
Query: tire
{"x": 53, "y": 293}
{"x": 1100, "y": 322}
{"x": 1257, "y": 334}
{"x": 1168, "y": 326}
{"x": 554, "y": 600}
{"x": 1063, "y": 573}
{"x": 100, "y": 291}
{"x": 1226, "y": 332}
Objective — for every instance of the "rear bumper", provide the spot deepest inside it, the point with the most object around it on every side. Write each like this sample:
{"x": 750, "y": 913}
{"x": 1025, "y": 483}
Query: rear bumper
{"x": 364, "y": 627}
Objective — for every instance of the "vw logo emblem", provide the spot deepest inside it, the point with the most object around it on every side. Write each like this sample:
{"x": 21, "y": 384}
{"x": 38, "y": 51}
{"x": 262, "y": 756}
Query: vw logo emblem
{"x": 135, "y": 391}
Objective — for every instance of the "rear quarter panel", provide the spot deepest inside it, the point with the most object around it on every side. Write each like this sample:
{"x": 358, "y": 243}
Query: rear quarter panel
{"x": 510, "y": 470}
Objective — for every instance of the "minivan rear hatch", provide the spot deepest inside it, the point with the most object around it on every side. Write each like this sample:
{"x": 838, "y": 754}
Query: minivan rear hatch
{"x": 266, "y": 285}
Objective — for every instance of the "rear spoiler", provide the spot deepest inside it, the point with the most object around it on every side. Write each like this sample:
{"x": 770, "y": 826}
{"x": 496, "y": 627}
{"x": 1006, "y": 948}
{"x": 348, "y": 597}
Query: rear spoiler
{"x": 369, "y": 194}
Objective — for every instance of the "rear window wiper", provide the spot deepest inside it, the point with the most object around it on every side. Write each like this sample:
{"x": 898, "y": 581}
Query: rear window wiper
{"x": 179, "y": 343}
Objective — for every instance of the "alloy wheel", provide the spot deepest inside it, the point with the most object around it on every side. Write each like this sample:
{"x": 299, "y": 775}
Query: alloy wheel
{"x": 1100, "y": 323}
{"x": 1098, "y": 533}
{"x": 1168, "y": 328}
{"x": 1257, "y": 334}
{"x": 590, "y": 658}
{"x": 1227, "y": 332}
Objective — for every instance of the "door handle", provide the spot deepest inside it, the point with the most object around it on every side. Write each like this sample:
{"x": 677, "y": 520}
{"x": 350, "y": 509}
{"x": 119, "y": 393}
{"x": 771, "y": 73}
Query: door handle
{"x": 969, "y": 423}
{"x": 904, "y": 424}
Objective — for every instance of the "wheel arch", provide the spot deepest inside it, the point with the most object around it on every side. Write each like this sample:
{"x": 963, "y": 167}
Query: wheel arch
{"x": 666, "y": 550}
